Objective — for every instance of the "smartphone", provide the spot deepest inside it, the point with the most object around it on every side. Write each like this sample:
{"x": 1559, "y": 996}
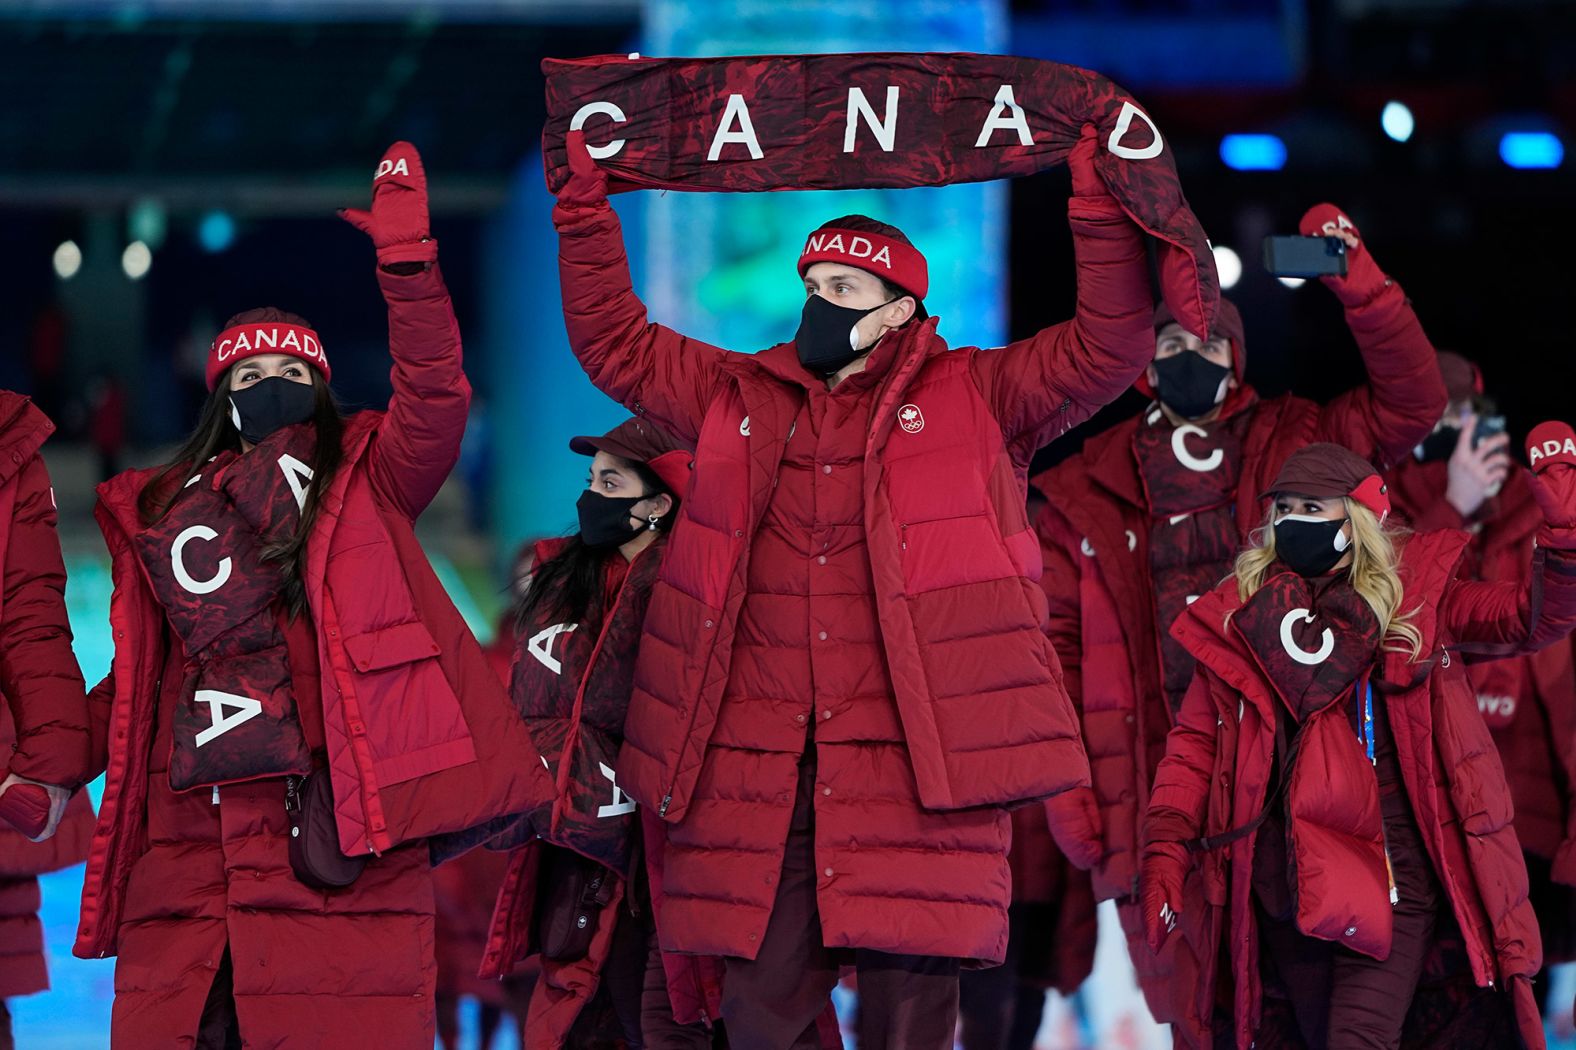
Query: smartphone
{"x": 1305, "y": 256}
{"x": 1487, "y": 427}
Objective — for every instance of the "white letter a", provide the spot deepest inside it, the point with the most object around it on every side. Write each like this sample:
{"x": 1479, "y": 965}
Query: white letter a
{"x": 735, "y": 113}
{"x": 245, "y": 709}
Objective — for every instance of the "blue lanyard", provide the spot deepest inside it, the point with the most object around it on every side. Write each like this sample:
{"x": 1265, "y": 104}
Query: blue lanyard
{"x": 1365, "y": 698}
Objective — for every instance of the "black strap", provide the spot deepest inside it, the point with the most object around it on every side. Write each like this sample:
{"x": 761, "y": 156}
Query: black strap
{"x": 1210, "y": 843}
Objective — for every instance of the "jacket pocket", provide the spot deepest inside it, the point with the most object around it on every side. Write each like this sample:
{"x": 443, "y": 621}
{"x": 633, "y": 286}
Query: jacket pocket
{"x": 407, "y": 708}
{"x": 390, "y": 647}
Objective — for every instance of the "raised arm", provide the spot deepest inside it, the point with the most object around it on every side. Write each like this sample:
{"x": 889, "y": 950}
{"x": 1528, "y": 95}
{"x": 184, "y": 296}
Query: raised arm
{"x": 1041, "y": 386}
{"x": 1507, "y": 617}
{"x": 649, "y": 369}
{"x": 1404, "y": 396}
{"x": 419, "y": 440}
{"x": 39, "y": 675}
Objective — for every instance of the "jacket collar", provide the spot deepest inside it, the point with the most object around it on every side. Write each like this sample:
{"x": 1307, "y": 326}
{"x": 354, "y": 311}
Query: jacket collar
{"x": 1110, "y": 454}
{"x": 781, "y": 362}
{"x": 23, "y": 430}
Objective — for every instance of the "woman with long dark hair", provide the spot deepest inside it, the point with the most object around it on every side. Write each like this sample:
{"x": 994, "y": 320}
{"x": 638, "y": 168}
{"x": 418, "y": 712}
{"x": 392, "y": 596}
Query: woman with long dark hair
{"x": 579, "y": 892}
{"x": 294, "y": 704}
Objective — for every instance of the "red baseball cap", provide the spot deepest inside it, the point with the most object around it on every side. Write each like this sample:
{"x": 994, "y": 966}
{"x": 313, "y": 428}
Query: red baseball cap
{"x": 638, "y": 441}
{"x": 1326, "y": 470}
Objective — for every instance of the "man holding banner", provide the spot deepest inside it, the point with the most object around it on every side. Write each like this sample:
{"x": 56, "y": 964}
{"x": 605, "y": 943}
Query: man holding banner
{"x": 844, "y": 678}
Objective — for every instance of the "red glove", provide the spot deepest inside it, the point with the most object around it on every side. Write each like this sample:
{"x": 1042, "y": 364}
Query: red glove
{"x": 1551, "y": 453}
{"x": 1086, "y": 181}
{"x": 1160, "y": 876}
{"x": 397, "y": 222}
{"x": 1364, "y": 280}
{"x": 587, "y": 185}
{"x": 1074, "y": 817}
{"x": 26, "y": 807}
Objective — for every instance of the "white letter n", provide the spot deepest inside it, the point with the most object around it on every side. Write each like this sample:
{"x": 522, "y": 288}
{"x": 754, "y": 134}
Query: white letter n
{"x": 885, "y": 129}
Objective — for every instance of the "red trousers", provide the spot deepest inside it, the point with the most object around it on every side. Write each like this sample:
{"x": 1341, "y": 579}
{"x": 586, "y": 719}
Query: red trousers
{"x": 906, "y": 1002}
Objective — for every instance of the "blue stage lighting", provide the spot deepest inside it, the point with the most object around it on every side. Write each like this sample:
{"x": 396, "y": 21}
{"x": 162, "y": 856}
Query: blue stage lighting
{"x": 216, "y": 231}
{"x": 1531, "y": 149}
{"x": 1253, "y": 152}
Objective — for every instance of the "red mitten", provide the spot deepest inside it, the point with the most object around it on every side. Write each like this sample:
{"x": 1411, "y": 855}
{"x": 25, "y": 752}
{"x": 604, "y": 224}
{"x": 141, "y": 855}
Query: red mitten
{"x": 1551, "y": 453}
{"x": 397, "y": 222}
{"x": 1080, "y": 162}
{"x": 1364, "y": 280}
{"x": 587, "y": 183}
{"x": 26, "y": 808}
{"x": 1074, "y": 817}
{"x": 1160, "y": 876}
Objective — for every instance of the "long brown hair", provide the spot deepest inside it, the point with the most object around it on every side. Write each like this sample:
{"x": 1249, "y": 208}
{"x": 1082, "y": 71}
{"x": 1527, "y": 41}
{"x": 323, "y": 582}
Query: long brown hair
{"x": 216, "y": 433}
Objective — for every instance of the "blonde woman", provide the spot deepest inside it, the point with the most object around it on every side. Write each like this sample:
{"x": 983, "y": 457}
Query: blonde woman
{"x": 1331, "y": 777}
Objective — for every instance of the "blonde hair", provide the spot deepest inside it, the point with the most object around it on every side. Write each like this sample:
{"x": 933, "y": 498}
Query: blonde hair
{"x": 1373, "y": 573}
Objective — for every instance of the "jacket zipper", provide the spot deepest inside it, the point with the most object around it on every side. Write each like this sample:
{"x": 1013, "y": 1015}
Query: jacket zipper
{"x": 902, "y": 532}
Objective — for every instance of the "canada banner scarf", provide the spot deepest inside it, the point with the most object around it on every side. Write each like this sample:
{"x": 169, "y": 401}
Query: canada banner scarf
{"x": 876, "y": 120}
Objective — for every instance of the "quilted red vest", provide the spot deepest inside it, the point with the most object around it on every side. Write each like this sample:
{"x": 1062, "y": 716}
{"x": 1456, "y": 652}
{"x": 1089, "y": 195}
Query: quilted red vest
{"x": 955, "y": 564}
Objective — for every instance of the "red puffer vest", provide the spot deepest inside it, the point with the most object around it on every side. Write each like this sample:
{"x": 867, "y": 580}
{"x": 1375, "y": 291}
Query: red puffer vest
{"x": 1216, "y": 774}
{"x": 388, "y": 637}
{"x": 953, "y": 566}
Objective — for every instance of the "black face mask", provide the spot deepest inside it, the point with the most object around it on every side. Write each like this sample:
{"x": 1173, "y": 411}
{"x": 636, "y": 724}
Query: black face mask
{"x": 604, "y": 520}
{"x": 1309, "y": 546}
{"x": 269, "y": 405}
{"x": 1188, "y": 384}
{"x": 1441, "y": 444}
{"x": 827, "y": 341}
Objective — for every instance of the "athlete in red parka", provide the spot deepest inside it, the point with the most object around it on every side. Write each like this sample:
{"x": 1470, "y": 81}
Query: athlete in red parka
{"x": 1150, "y": 515}
{"x": 43, "y": 706}
{"x": 1454, "y": 481}
{"x": 1329, "y": 775}
{"x": 274, "y": 616}
{"x": 579, "y": 892}
{"x": 844, "y": 677}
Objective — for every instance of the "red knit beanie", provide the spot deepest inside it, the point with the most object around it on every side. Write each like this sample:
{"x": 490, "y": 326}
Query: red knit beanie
{"x": 868, "y": 245}
{"x": 265, "y": 331}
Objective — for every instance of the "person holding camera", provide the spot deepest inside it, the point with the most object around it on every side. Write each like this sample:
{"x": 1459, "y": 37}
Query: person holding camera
{"x": 1150, "y": 515}
{"x": 1462, "y": 477}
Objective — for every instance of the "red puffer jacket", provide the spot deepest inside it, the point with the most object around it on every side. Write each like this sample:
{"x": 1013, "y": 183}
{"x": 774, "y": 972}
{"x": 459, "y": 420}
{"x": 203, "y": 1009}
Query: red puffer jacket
{"x": 387, "y": 636}
{"x": 1529, "y": 702}
{"x": 573, "y": 691}
{"x": 43, "y": 716}
{"x": 947, "y": 590}
{"x": 1216, "y": 773}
